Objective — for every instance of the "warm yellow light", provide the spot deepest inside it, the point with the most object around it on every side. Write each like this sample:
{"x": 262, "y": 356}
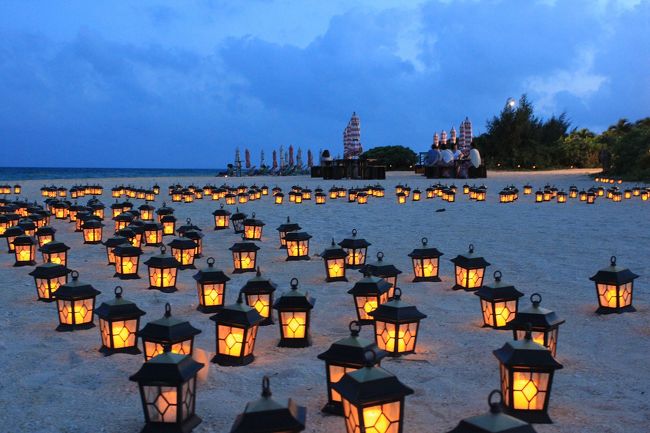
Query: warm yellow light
{"x": 244, "y": 260}
{"x": 231, "y": 340}
{"x": 152, "y": 349}
{"x": 425, "y": 267}
{"x": 293, "y": 324}
{"x": 469, "y": 278}
{"x": 122, "y": 333}
{"x": 356, "y": 257}
{"x": 211, "y": 295}
{"x": 162, "y": 277}
{"x": 336, "y": 268}
{"x": 390, "y": 337}
{"x": 261, "y": 303}
{"x": 297, "y": 248}
{"x": 75, "y": 312}
{"x": 609, "y": 296}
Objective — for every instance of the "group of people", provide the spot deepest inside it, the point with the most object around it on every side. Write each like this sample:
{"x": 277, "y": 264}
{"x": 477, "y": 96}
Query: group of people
{"x": 451, "y": 161}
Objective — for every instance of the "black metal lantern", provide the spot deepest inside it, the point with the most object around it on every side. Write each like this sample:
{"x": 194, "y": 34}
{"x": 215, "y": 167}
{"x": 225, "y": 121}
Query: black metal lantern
{"x": 92, "y": 232}
{"x": 24, "y": 250}
{"x": 164, "y": 210}
{"x": 211, "y": 287}
{"x": 469, "y": 270}
{"x": 499, "y": 303}
{"x": 119, "y": 321}
{"x": 294, "y": 309}
{"x": 285, "y": 228}
{"x": 55, "y": 252}
{"x": 384, "y": 270}
{"x": 244, "y": 257}
{"x": 495, "y": 421}
{"x": 197, "y": 237}
{"x": 10, "y": 236}
{"x": 168, "y": 330}
{"x": 110, "y": 245}
{"x": 369, "y": 293}
{"x": 297, "y": 244}
{"x": 153, "y": 234}
{"x": 426, "y": 263}
{"x": 526, "y": 371}
{"x": 122, "y": 220}
{"x": 187, "y": 227}
{"x": 146, "y": 212}
{"x": 544, "y": 324}
{"x": 168, "y": 392}
{"x": 127, "y": 259}
{"x": 169, "y": 224}
{"x": 237, "y": 221}
{"x": 344, "y": 356}
{"x": 334, "y": 259}
{"x": 614, "y": 288}
{"x": 396, "y": 326}
{"x": 252, "y": 229}
{"x": 259, "y": 295}
{"x": 236, "y": 331}
{"x": 184, "y": 250}
{"x": 372, "y": 399}
{"x": 356, "y": 249}
{"x": 269, "y": 416}
{"x": 48, "y": 277}
{"x": 163, "y": 270}
{"x": 44, "y": 235}
{"x": 75, "y": 303}
{"x": 221, "y": 218}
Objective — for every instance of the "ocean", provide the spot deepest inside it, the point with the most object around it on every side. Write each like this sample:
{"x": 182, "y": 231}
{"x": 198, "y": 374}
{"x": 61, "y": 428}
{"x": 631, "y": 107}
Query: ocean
{"x": 34, "y": 173}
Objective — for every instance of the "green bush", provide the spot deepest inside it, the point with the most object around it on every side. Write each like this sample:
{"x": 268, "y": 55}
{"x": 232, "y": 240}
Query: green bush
{"x": 393, "y": 157}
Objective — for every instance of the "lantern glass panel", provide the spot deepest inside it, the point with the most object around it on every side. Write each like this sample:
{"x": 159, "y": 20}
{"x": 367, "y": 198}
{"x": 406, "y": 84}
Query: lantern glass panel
{"x": 210, "y": 294}
{"x": 118, "y": 334}
{"x": 298, "y": 248}
{"x": 368, "y": 304}
{"x": 231, "y": 340}
{"x": 58, "y": 258}
{"x": 261, "y": 302}
{"x": 244, "y": 260}
{"x": 184, "y": 257}
{"x": 528, "y": 390}
{"x": 469, "y": 278}
{"x": 501, "y": 312}
{"x": 252, "y": 232}
{"x": 169, "y": 227}
{"x": 47, "y": 286}
{"x": 425, "y": 267}
{"x": 222, "y": 221}
{"x": 393, "y": 337}
{"x": 383, "y": 418}
{"x": 76, "y": 312}
{"x": 612, "y": 296}
{"x": 161, "y": 403}
{"x": 336, "y": 373}
{"x": 336, "y": 268}
{"x": 162, "y": 277}
{"x": 294, "y": 324}
{"x": 547, "y": 339}
{"x": 153, "y": 237}
{"x": 126, "y": 265}
{"x": 25, "y": 253}
{"x": 152, "y": 348}
{"x": 356, "y": 257}
{"x": 93, "y": 235}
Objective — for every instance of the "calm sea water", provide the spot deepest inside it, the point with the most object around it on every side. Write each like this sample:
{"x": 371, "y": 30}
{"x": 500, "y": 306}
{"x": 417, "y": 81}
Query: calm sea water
{"x": 29, "y": 173}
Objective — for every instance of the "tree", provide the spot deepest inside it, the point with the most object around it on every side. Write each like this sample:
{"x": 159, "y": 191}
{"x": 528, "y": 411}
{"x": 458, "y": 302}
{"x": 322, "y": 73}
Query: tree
{"x": 393, "y": 157}
{"x": 580, "y": 149}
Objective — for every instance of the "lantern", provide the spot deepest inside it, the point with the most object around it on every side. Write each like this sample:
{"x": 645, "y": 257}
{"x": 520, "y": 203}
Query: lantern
{"x": 320, "y": 197}
{"x": 164, "y": 210}
{"x": 45, "y": 235}
{"x": 55, "y": 252}
{"x": 401, "y": 198}
{"x": 259, "y": 295}
{"x": 168, "y": 392}
{"x": 526, "y": 370}
{"x": 60, "y": 210}
{"x": 10, "y": 235}
{"x": 368, "y": 294}
{"x": 278, "y": 197}
{"x": 75, "y": 302}
{"x": 163, "y": 270}
{"x": 197, "y": 237}
{"x": 494, "y": 421}
{"x": 221, "y": 218}
{"x": 24, "y": 250}
{"x": 127, "y": 258}
{"x": 384, "y": 270}
{"x": 334, "y": 259}
{"x": 416, "y": 195}
{"x": 237, "y": 220}
{"x": 230, "y": 198}
{"x": 294, "y": 309}
{"x": 110, "y": 245}
{"x": 146, "y": 212}
{"x": 48, "y": 278}
{"x": 425, "y": 263}
{"x": 356, "y": 249}
{"x": 4, "y": 224}
{"x": 573, "y": 192}
{"x": 236, "y": 330}
{"x": 614, "y": 288}
{"x": 252, "y": 229}
{"x": 591, "y": 197}
{"x": 528, "y": 189}
{"x": 168, "y": 330}
{"x": 469, "y": 270}
{"x": 396, "y": 326}
{"x": 345, "y": 356}
{"x": 242, "y": 198}
{"x": 28, "y": 226}
{"x": 184, "y": 251}
{"x": 244, "y": 257}
{"x": 372, "y": 399}
{"x": 539, "y": 196}
{"x": 499, "y": 303}
{"x": 153, "y": 234}
{"x": 645, "y": 195}
{"x": 544, "y": 324}
{"x": 211, "y": 287}
{"x": 297, "y": 244}
{"x": 92, "y": 232}
{"x": 297, "y": 197}
{"x": 122, "y": 220}
{"x": 285, "y": 228}
{"x": 119, "y": 321}
{"x": 169, "y": 225}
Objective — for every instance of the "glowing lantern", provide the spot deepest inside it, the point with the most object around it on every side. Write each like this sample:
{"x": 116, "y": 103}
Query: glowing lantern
{"x": 614, "y": 288}
{"x": 168, "y": 392}
{"x": 197, "y": 237}
{"x": 127, "y": 259}
{"x": 341, "y": 192}
{"x": 469, "y": 270}
{"x": 221, "y": 218}
{"x": 644, "y": 195}
{"x": 306, "y": 194}
{"x": 297, "y": 244}
{"x": 573, "y": 192}
{"x": 4, "y": 224}
{"x": 211, "y": 287}
{"x": 236, "y": 330}
{"x": 499, "y": 303}
{"x": 258, "y": 292}
{"x": 75, "y": 302}
{"x": 97, "y": 209}
{"x": 583, "y": 195}
{"x": 187, "y": 227}
{"x": 184, "y": 251}
{"x": 426, "y": 263}
{"x": 92, "y": 231}
{"x": 164, "y": 210}
{"x": 24, "y": 250}
{"x": 368, "y": 294}
{"x": 294, "y": 309}
{"x": 244, "y": 257}
{"x": 278, "y": 197}
{"x": 252, "y": 229}
{"x": 352, "y": 195}
{"x": 334, "y": 193}
{"x": 237, "y": 220}
{"x": 48, "y": 278}
{"x": 416, "y": 195}
{"x": 494, "y": 421}
{"x": 285, "y": 228}
{"x": 372, "y": 399}
{"x": 401, "y": 198}
{"x": 230, "y": 198}
{"x": 362, "y": 197}
{"x": 169, "y": 225}
{"x": 119, "y": 321}
{"x": 45, "y": 235}
{"x": 345, "y": 356}
{"x": 168, "y": 330}
{"x": 356, "y": 249}
{"x": 528, "y": 189}
{"x": 163, "y": 270}
{"x": 28, "y": 226}
{"x": 543, "y": 324}
{"x": 334, "y": 259}
{"x": 481, "y": 193}
{"x": 539, "y": 197}
{"x": 320, "y": 197}
{"x": 55, "y": 252}
{"x": 379, "y": 191}
{"x": 384, "y": 270}
{"x": 396, "y": 326}
{"x": 526, "y": 370}
{"x": 146, "y": 212}
{"x": 10, "y": 235}
{"x": 591, "y": 197}
{"x": 122, "y": 220}
{"x": 60, "y": 210}
{"x": 153, "y": 234}
{"x": 17, "y": 189}
{"x": 297, "y": 197}
{"x": 242, "y": 198}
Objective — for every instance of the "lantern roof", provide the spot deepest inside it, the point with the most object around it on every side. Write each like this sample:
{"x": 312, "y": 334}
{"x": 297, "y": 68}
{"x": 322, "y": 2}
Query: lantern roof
{"x": 182, "y": 243}
{"x": 495, "y": 421}
{"x": 127, "y": 250}
{"x": 352, "y": 350}
{"x": 258, "y": 284}
{"x": 92, "y": 224}
{"x": 539, "y": 318}
{"x": 13, "y": 231}
{"x": 45, "y": 230}
{"x": 211, "y": 274}
{"x": 294, "y": 299}
{"x": 221, "y": 211}
{"x": 334, "y": 252}
{"x": 297, "y": 236}
{"x": 243, "y": 247}
{"x": 396, "y": 311}
{"x": 288, "y": 226}
{"x": 24, "y": 240}
{"x": 187, "y": 227}
{"x": 167, "y": 218}
{"x": 146, "y": 206}
{"x": 238, "y": 215}
{"x": 152, "y": 225}
{"x": 424, "y": 252}
{"x": 193, "y": 234}
{"x": 165, "y": 210}
{"x": 353, "y": 242}
{"x": 370, "y": 285}
{"x": 380, "y": 268}
{"x": 498, "y": 290}
{"x": 75, "y": 289}
{"x": 470, "y": 260}
{"x": 124, "y": 216}
{"x": 54, "y": 247}
{"x": 237, "y": 314}
{"x": 126, "y": 232}
{"x": 614, "y": 274}
{"x": 167, "y": 369}
{"x": 162, "y": 260}
{"x": 118, "y": 308}
{"x": 253, "y": 221}
{"x": 168, "y": 329}
{"x": 526, "y": 353}
{"x": 49, "y": 270}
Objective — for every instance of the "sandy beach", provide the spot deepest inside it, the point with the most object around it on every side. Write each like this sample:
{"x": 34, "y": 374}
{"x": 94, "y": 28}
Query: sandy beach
{"x": 59, "y": 382}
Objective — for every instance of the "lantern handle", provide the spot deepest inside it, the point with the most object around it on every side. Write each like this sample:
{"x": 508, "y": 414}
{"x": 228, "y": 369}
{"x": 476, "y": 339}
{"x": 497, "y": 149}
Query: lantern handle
{"x": 380, "y": 256}
{"x": 258, "y": 273}
{"x": 471, "y": 248}
{"x": 118, "y": 291}
{"x": 188, "y": 221}
{"x": 495, "y": 406}
{"x": 397, "y": 293}
{"x": 355, "y": 328}
{"x": 163, "y": 249}
{"x": 536, "y": 299}
{"x": 354, "y": 232}
{"x": 612, "y": 260}
{"x": 74, "y": 275}
{"x": 266, "y": 387}
{"x": 210, "y": 261}
{"x": 425, "y": 241}
{"x": 168, "y": 309}
{"x": 221, "y": 207}
{"x": 253, "y": 216}
{"x": 294, "y": 283}
{"x": 497, "y": 276}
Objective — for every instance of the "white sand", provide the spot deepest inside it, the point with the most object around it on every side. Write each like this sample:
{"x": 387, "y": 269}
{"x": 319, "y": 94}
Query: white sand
{"x": 59, "y": 382}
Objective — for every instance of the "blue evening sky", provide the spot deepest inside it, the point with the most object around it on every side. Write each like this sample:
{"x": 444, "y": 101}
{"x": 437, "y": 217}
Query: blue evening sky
{"x": 183, "y": 83}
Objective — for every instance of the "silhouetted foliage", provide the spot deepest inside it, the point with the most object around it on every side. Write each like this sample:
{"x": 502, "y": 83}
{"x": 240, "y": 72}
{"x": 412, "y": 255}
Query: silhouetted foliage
{"x": 629, "y": 146}
{"x": 393, "y": 157}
